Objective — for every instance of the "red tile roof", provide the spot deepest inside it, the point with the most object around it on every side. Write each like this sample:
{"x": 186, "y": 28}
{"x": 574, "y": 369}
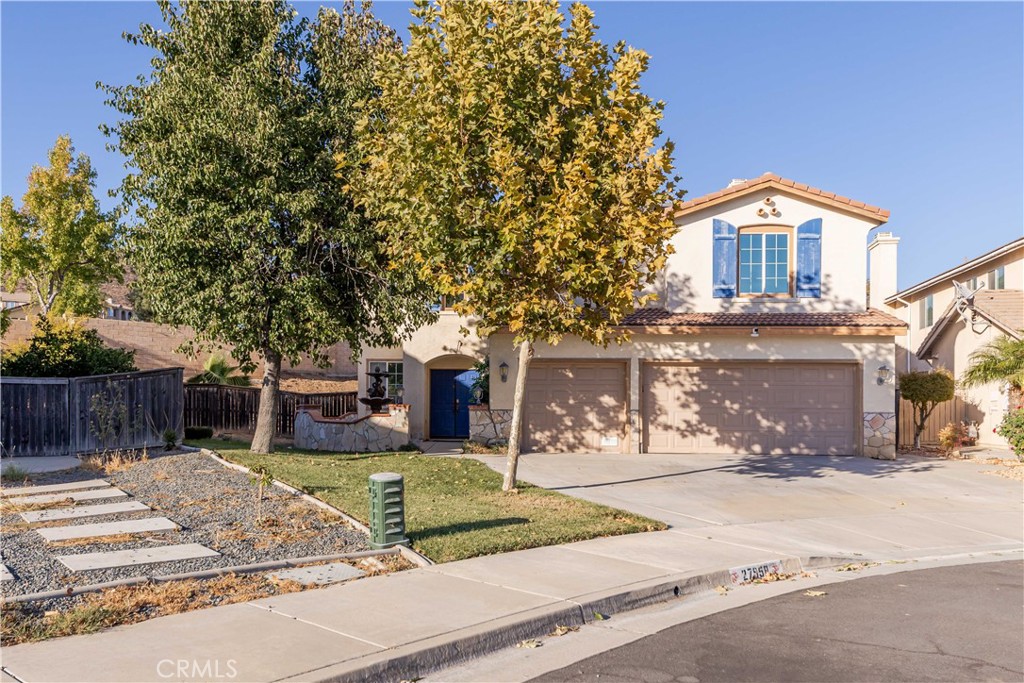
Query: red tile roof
{"x": 659, "y": 317}
{"x": 785, "y": 185}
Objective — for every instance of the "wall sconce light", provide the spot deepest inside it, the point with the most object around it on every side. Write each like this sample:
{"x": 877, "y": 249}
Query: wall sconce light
{"x": 884, "y": 374}
{"x": 503, "y": 371}
{"x": 755, "y": 333}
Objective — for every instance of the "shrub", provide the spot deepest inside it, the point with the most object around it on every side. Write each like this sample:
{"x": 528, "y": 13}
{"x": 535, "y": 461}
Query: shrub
{"x": 953, "y": 436}
{"x": 62, "y": 349}
{"x": 198, "y": 433}
{"x": 1012, "y": 429}
{"x": 170, "y": 438}
{"x": 925, "y": 390}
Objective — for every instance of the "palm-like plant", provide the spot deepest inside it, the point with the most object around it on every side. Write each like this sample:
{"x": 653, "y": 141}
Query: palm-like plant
{"x": 217, "y": 370}
{"x": 1001, "y": 360}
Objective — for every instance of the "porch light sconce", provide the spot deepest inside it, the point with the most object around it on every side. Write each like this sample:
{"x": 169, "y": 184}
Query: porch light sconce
{"x": 755, "y": 333}
{"x": 503, "y": 371}
{"x": 884, "y": 374}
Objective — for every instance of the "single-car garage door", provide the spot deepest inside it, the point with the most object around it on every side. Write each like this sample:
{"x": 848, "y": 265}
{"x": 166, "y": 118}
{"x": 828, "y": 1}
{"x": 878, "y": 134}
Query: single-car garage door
{"x": 749, "y": 407}
{"x": 575, "y": 407}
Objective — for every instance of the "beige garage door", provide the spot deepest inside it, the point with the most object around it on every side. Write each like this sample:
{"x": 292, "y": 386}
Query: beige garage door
{"x": 751, "y": 408}
{"x": 575, "y": 407}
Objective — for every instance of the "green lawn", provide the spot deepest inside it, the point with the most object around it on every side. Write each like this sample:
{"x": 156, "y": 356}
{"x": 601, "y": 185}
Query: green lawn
{"x": 455, "y": 507}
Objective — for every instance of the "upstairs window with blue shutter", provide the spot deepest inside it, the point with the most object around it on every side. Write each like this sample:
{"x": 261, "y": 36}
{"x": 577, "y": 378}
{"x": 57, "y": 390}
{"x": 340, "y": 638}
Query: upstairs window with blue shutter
{"x": 808, "y": 259}
{"x": 724, "y": 268}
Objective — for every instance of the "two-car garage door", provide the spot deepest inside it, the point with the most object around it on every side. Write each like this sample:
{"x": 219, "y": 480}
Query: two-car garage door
{"x": 750, "y": 407}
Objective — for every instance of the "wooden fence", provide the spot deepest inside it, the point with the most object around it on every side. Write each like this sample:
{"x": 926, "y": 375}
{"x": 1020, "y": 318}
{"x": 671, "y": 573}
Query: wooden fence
{"x": 56, "y": 416}
{"x": 954, "y": 410}
{"x": 236, "y": 408}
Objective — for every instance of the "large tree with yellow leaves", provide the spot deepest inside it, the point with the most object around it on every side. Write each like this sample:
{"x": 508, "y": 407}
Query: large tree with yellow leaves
{"x": 516, "y": 160}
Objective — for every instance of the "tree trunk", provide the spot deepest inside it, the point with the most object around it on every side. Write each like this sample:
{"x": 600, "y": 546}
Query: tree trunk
{"x": 516, "y": 431}
{"x": 266, "y": 420}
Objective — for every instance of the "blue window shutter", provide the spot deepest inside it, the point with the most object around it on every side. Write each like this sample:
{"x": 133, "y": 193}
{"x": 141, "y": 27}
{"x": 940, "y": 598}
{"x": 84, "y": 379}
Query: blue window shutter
{"x": 725, "y": 259}
{"x": 808, "y": 259}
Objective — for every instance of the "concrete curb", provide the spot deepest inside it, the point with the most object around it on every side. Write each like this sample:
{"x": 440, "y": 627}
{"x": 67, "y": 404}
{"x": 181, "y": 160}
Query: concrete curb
{"x": 408, "y": 662}
{"x": 408, "y": 553}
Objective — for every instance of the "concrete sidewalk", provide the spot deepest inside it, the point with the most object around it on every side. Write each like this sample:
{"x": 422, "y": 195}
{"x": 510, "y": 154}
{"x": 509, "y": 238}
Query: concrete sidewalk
{"x": 404, "y": 625}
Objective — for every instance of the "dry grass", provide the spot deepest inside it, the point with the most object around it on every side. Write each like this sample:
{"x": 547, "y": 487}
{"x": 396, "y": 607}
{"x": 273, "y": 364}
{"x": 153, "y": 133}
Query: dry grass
{"x": 111, "y": 539}
{"x": 11, "y": 506}
{"x": 116, "y": 461}
{"x": 131, "y": 604}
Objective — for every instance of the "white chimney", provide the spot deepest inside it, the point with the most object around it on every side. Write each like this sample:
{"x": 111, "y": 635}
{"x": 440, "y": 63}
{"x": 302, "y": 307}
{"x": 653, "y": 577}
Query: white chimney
{"x": 882, "y": 269}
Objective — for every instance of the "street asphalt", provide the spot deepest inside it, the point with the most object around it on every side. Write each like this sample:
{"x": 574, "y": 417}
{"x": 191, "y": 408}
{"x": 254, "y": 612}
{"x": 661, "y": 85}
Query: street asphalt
{"x": 960, "y": 623}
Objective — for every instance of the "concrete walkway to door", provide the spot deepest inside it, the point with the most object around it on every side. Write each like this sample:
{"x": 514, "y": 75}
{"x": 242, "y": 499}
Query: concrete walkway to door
{"x": 697, "y": 491}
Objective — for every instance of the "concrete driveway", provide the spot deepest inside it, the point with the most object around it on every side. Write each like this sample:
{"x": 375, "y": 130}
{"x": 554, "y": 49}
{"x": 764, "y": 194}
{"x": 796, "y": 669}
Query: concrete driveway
{"x": 692, "y": 491}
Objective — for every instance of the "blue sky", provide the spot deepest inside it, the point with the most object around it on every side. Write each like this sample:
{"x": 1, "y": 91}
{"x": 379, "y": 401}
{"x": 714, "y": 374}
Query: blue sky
{"x": 915, "y": 107}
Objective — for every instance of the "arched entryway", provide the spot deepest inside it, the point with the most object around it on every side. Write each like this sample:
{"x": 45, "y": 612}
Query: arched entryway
{"x": 450, "y": 391}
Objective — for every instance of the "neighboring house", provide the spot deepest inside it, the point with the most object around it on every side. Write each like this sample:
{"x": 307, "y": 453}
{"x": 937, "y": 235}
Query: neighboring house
{"x": 763, "y": 343}
{"x": 944, "y": 328}
{"x": 116, "y": 305}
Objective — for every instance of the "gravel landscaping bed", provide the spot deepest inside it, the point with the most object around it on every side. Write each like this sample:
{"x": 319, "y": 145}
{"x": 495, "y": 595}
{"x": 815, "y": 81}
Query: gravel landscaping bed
{"x": 214, "y": 506}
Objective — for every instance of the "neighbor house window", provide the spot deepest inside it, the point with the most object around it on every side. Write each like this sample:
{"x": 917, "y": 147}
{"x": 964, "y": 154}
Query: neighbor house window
{"x": 764, "y": 264}
{"x": 972, "y": 284}
{"x": 997, "y": 278}
{"x": 393, "y": 370}
{"x": 927, "y": 311}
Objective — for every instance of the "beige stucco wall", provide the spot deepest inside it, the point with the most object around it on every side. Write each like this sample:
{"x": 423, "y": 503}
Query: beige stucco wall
{"x": 986, "y": 404}
{"x": 871, "y": 352}
{"x": 942, "y": 293}
{"x": 442, "y": 345}
{"x": 687, "y": 281}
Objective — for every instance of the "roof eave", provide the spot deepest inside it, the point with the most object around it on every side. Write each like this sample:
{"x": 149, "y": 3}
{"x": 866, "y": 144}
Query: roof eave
{"x": 952, "y": 272}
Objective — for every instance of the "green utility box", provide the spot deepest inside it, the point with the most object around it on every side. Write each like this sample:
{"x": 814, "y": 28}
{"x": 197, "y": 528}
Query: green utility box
{"x": 387, "y": 510}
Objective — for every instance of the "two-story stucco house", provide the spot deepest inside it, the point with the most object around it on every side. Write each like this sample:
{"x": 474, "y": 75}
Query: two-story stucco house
{"x": 944, "y": 328}
{"x": 762, "y": 342}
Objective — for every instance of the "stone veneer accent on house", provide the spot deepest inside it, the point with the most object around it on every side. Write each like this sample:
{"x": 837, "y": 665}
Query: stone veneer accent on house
{"x": 489, "y": 426}
{"x": 368, "y": 434}
{"x": 880, "y": 435}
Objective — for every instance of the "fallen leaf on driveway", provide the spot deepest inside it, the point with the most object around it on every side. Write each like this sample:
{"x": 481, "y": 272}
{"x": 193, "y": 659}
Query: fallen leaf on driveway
{"x": 815, "y": 594}
{"x": 722, "y": 590}
{"x": 532, "y": 642}
{"x": 562, "y": 630}
{"x": 600, "y": 617}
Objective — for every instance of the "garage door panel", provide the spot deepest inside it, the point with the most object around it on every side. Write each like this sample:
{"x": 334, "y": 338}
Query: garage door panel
{"x": 575, "y": 407}
{"x": 750, "y": 408}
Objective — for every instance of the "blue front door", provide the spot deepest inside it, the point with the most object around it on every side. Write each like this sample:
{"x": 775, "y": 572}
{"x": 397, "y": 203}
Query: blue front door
{"x": 450, "y": 394}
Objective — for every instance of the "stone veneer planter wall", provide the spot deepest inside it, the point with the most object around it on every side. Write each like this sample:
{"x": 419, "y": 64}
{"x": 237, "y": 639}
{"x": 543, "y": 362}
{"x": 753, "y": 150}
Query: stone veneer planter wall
{"x": 368, "y": 434}
{"x": 880, "y": 435}
{"x": 489, "y": 426}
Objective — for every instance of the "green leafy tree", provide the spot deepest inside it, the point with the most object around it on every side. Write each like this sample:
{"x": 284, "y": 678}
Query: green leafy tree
{"x": 64, "y": 349}
{"x": 1001, "y": 360}
{"x": 217, "y": 370}
{"x": 514, "y": 160}
{"x": 242, "y": 228}
{"x": 59, "y": 244}
{"x": 925, "y": 390}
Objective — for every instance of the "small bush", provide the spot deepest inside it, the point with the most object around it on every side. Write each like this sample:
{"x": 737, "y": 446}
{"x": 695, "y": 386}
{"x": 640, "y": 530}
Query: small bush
{"x": 408, "y": 448}
{"x": 953, "y": 436}
{"x": 198, "y": 433}
{"x": 1012, "y": 429}
{"x": 61, "y": 349}
{"x": 13, "y": 473}
{"x": 170, "y": 438}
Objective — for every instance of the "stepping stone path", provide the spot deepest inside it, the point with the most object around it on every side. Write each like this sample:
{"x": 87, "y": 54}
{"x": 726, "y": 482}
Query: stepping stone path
{"x": 109, "y": 492}
{"x": 127, "y": 558}
{"x": 49, "y": 488}
{"x": 132, "y": 526}
{"x": 321, "y": 574}
{"x": 97, "y": 489}
{"x": 83, "y": 511}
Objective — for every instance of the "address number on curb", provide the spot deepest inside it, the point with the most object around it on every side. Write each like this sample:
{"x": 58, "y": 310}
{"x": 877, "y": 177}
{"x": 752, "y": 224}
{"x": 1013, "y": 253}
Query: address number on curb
{"x": 753, "y": 572}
